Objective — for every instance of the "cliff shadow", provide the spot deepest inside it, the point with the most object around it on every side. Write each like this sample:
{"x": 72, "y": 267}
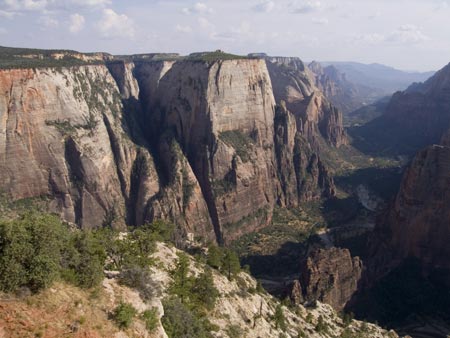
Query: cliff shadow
{"x": 406, "y": 300}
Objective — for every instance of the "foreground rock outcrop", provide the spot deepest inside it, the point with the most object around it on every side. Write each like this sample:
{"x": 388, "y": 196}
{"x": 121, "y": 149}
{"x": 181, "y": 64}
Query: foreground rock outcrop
{"x": 238, "y": 311}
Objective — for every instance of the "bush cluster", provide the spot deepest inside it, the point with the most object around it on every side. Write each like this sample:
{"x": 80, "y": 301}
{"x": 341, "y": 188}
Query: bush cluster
{"x": 191, "y": 297}
{"x": 36, "y": 249}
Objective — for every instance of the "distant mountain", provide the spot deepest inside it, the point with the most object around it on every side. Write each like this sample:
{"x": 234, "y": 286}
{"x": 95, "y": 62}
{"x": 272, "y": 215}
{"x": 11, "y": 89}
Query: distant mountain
{"x": 413, "y": 119}
{"x": 377, "y": 76}
{"x": 346, "y": 95}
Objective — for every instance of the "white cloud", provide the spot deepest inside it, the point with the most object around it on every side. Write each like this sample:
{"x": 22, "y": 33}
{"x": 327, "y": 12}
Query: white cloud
{"x": 370, "y": 39}
{"x": 198, "y": 8}
{"x": 48, "y": 22}
{"x": 44, "y": 5}
{"x": 113, "y": 25}
{"x": 3, "y": 31}
{"x": 25, "y": 5}
{"x": 90, "y": 3}
{"x": 302, "y": 6}
{"x": 205, "y": 24}
{"x": 407, "y": 34}
{"x": 76, "y": 23}
{"x": 320, "y": 21}
{"x": 265, "y": 6}
{"x": 7, "y": 15}
{"x": 183, "y": 29}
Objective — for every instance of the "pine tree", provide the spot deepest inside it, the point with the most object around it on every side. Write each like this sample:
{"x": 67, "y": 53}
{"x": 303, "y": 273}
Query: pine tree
{"x": 230, "y": 263}
{"x": 204, "y": 290}
{"x": 182, "y": 283}
{"x": 214, "y": 257}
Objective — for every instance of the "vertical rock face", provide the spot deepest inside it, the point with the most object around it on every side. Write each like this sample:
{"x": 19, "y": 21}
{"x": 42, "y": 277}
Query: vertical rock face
{"x": 317, "y": 120}
{"x": 61, "y": 136}
{"x": 222, "y": 116}
{"x": 330, "y": 276}
{"x": 303, "y": 176}
{"x": 418, "y": 224}
{"x": 193, "y": 142}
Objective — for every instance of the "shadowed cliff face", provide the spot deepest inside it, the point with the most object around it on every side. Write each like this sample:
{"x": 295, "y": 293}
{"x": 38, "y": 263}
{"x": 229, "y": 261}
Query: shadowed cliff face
{"x": 193, "y": 142}
{"x": 418, "y": 223}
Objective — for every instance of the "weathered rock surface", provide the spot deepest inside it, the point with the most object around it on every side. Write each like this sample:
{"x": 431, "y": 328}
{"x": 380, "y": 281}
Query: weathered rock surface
{"x": 61, "y": 136}
{"x": 330, "y": 276}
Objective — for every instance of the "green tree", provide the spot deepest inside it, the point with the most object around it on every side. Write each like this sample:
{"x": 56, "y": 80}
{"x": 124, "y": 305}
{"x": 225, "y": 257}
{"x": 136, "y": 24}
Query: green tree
{"x": 214, "y": 257}
{"x": 203, "y": 290}
{"x": 230, "y": 263}
{"x": 89, "y": 260}
{"x": 30, "y": 251}
{"x": 182, "y": 283}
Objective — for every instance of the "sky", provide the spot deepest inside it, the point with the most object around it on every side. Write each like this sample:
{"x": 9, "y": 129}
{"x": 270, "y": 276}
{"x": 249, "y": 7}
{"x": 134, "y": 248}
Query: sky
{"x": 406, "y": 34}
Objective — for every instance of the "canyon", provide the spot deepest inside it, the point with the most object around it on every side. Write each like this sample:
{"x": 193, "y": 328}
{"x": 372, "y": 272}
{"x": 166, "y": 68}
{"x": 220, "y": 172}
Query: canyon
{"x": 221, "y": 146}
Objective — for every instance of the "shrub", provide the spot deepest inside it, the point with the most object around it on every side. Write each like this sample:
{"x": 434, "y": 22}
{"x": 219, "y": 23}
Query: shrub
{"x": 321, "y": 326}
{"x": 234, "y": 331}
{"x": 347, "y": 318}
{"x": 279, "y": 318}
{"x": 124, "y": 314}
{"x": 86, "y": 260}
{"x": 151, "y": 319}
{"x": 30, "y": 251}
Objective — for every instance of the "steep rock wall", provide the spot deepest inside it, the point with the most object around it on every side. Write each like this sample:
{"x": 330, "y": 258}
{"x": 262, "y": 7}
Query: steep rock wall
{"x": 61, "y": 136}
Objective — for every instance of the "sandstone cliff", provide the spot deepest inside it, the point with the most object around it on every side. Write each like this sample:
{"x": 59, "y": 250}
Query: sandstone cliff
{"x": 61, "y": 136}
{"x": 222, "y": 115}
{"x": 192, "y": 141}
